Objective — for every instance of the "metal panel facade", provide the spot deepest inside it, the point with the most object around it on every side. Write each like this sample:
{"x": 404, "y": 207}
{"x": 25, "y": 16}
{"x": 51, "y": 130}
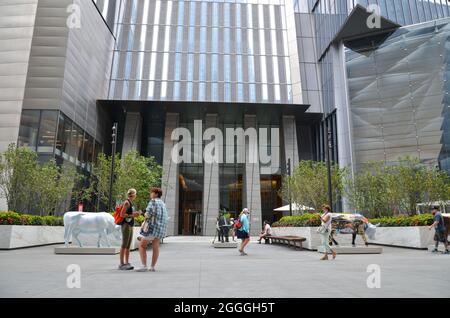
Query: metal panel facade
{"x": 16, "y": 32}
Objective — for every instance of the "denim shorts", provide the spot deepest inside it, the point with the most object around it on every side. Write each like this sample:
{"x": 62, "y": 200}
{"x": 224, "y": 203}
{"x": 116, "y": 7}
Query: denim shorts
{"x": 242, "y": 235}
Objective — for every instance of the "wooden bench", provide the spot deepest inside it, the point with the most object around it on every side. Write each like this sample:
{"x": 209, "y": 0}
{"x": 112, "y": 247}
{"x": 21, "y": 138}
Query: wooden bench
{"x": 291, "y": 241}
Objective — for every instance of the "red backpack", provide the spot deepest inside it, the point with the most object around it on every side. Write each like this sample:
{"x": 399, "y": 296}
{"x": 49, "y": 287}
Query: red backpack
{"x": 117, "y": 218}
{"x": 237, "y": 223}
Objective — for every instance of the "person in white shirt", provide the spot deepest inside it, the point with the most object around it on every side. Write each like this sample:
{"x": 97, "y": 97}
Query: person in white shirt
{"x": 267, "y": 231}
{"x": 325, "y": 230}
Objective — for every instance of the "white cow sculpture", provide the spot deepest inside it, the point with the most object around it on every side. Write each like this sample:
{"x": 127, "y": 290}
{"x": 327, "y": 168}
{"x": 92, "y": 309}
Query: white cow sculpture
{"x": 84, "y": 222}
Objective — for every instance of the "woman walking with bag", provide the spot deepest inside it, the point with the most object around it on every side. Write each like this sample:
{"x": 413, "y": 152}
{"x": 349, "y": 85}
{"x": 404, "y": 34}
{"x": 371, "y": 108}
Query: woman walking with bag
{"x": 324, "y": 230}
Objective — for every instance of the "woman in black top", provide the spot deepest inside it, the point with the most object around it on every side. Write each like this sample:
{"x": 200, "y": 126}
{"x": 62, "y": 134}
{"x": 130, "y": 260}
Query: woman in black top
{"x": 127, "y": 230}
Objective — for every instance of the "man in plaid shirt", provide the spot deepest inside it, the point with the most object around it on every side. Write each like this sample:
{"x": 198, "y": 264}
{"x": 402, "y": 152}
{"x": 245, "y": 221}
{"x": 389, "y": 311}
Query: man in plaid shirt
{"x": 153, "y": 229}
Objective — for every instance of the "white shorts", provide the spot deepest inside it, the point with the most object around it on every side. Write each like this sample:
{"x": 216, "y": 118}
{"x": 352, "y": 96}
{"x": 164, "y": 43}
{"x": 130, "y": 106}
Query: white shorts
{"x": 145, "y": 238}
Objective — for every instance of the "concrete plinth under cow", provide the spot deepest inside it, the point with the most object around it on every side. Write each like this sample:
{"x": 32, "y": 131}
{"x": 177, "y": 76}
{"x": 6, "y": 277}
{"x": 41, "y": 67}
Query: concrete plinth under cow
{"x": 354, "y": 249}
{"x": 225, "y": 245}
{"x": 87, "y": 250}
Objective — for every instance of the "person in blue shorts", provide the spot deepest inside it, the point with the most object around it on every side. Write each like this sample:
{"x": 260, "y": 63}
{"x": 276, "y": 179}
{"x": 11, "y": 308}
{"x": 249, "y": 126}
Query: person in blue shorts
{"x": 244, "y": 232}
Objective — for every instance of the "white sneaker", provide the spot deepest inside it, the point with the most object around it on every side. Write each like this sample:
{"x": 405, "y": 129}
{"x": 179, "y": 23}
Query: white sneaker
{"x": 142, "y": 269}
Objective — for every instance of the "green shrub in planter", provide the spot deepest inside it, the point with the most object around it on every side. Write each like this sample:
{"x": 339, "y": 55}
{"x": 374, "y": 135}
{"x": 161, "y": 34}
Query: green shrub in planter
{"x": 10, "y": 218}
{"x": 416, "y": 220}
{"x": 13, "y": 218}
{"x": 138, "y": 221}
{"x": 52, "y": 221}
{"x": 304, "y": 220}
{"x": 310, "y": 219}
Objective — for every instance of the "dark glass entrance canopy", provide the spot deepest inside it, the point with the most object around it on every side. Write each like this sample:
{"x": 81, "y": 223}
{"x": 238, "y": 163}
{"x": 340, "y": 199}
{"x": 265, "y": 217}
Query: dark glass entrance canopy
{"x": 226, "y": 111}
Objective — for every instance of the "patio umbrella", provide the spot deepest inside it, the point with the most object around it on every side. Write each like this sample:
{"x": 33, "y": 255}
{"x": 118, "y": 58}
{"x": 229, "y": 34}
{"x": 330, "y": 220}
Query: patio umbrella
{"x": 295, "y": 207}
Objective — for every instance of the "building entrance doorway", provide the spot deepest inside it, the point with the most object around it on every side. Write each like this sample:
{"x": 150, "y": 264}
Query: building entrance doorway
{"x": 231, "y": 187}
{"x": 192, "y": 222}
{"x": 271, "y": 197}
{"x": 191, "y": 200}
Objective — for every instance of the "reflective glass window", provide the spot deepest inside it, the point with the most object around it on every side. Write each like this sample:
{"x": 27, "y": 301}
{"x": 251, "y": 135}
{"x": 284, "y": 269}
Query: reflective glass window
{"x": 47, "y": 132}
{"x": 29, "y": 127}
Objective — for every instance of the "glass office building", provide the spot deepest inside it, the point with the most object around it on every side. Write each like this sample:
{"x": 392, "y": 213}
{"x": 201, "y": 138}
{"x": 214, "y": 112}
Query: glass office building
{"x": 300, "y": 69}
{"x": 218, "y": 51}
{"x": 227, "y": 64}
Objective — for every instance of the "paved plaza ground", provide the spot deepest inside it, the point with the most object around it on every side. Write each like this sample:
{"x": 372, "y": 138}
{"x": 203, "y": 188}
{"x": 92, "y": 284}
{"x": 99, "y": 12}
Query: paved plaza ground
{"x": 191, "y": 267}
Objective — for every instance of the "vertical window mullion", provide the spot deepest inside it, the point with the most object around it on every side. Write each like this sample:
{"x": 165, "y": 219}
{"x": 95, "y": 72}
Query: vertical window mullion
{"x": 262, "y": 43}
{"x": 142, "y": 44}
{"x": 276, "y": 74}
{"x": 239, "y": 75}
{"x": 178, "y": 51}
{"x": 154, "y": 54}
{"x": 251, "y": 55}
{"x": 215, "y": 51}
{"x": 226, "y": 51}
{"x": 166, "y": 55}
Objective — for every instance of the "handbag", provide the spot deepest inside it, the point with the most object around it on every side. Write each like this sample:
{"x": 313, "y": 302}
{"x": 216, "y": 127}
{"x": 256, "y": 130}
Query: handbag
{"x": 148, "y": 224}
{"x": 147, "y": 227}
{"x": 322, "y": 229}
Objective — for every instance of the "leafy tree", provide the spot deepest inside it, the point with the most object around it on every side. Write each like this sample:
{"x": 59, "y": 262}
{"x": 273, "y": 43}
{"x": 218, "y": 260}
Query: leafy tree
{"x": 366, "y": 191}
{"x": 29, "y": 186}
{"x": 378, "y": 189}
{"x": 138, "y": 172}
{"x": 437, "y": 186}
{"x": 392, "y": 193}
{"x": 132, "y": 171}
{"x": 100, "y": 179}
{"x": 53, "y": 185}
{"x": 17, "y": 173}
{"x": 309, "y": 183}
{"x": 83, "y": 193}
{"x": 45, "y": 182}
{"x": 420, "y": 183}
{"x": 411, "y": 180}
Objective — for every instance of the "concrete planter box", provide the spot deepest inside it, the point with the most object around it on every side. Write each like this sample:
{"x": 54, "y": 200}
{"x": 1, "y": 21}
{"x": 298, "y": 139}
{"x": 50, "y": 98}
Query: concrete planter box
{"x": 310, "y": 233}
{"x": 419, "y": 237}
{"x": 404, "y": 236}
{"x": 20, "y": 236}
{"x": 313, "y": 240}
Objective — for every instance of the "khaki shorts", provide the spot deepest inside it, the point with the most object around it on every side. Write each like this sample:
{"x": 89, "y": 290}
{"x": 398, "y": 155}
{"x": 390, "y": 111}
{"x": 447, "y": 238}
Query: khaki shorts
{"x": 127, "y": 235}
